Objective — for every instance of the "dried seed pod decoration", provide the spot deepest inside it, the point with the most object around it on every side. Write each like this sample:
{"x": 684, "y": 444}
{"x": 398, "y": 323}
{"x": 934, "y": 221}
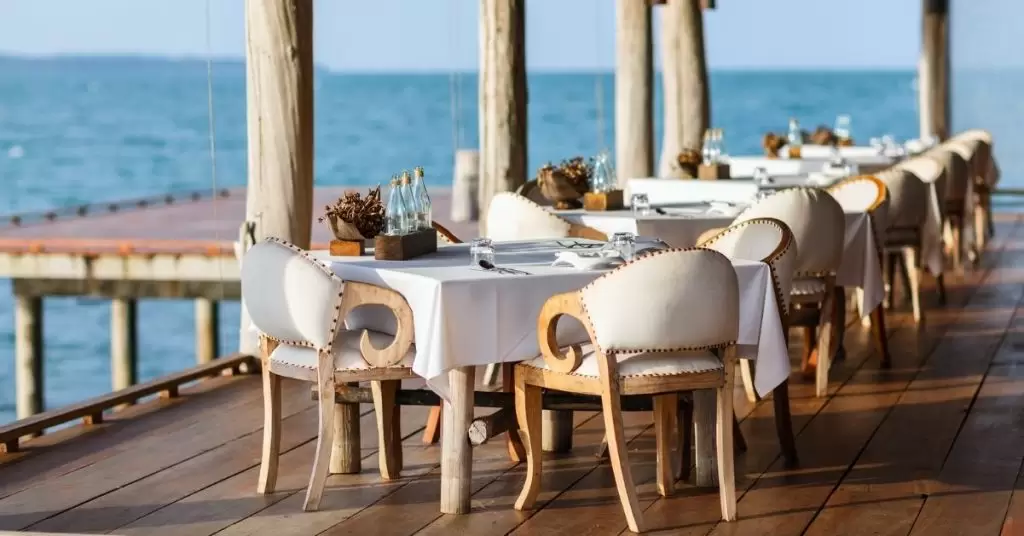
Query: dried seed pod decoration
{"x": 772, "y": 143}
{"x": 353, "y": 217}
{"x": 823, "y": 136}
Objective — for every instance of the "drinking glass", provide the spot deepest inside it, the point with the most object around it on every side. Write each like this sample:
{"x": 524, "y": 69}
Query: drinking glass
{"x": 481, "y": 249}
{"x": 641, "y": 204}
{"x": 842, "y": 127}
{"x": 625, "y": 244}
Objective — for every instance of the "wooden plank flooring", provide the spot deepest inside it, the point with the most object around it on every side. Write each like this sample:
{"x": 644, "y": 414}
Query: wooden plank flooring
{"x": 933, "y": 446}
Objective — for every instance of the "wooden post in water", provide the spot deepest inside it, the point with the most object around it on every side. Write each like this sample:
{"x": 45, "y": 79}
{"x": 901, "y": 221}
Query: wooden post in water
{"x": 28, "y": 354}
{"x": 279, "y": 94}
{"x": 684, "y": 75}
{"x": 124, "y": 364}
{"x": 207, "y": 330}
{"x": 466, "y": 186}
{"x": 634, "y": 97}
{"x": 503, "y": 97}
{"x": 935, "y": 75}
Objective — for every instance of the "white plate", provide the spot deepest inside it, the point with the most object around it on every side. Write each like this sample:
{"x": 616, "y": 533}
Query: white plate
{"x": 588, "y": 262}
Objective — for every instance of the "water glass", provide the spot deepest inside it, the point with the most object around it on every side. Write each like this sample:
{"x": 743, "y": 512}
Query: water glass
{"x": 481, "y": 249}
{"x": 641, "y": 204}
{"x": 625, "y": 244}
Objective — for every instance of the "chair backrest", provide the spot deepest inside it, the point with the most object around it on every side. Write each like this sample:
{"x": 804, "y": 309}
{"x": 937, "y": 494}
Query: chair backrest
{"x": 956, "y": 172}
{"x": 766, "y": 240}
{"x": 863, "y": 193}
{"x": 290, "y": 296}
{"x": 630, "y": 310}
{"x": 908, "y": 198}
{"x": 513, "y": 217}
{"x": 930, "y": 172}
{"x": 531, "y": 190}
{"x": 817, "y": 222}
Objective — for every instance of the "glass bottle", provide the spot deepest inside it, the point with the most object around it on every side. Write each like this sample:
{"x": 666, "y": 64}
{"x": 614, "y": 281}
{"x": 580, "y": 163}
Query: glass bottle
{"x": 706, "y": 149}
{"x": 409, "y": 200}
{"x": 842, "y": 128}
{"x": 795, "y": 138}
{"x": 720, "y": 145}
{"x": 394, "y": 213}
{"x": 426, "y": 216}
{"x": 602, "y": 180}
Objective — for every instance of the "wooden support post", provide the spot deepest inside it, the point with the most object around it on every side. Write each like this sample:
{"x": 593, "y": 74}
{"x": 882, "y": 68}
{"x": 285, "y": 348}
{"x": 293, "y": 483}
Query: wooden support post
{"x": 123, "y": 343}
{"x": 503, "y": 97}
{"x": 207, "y": 330}
{"x": 346, "y": 458}
{"x": 279, "y": 114}
{"x": 684, "y": 75}
{"x": 935, "y": 67}
{"x": 634, "y": 97}
{"x": 466, "y": 186}
{"x": 28, "y": 354}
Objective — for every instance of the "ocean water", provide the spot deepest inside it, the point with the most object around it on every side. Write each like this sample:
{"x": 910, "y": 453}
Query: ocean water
{"x": 80, "y": 130}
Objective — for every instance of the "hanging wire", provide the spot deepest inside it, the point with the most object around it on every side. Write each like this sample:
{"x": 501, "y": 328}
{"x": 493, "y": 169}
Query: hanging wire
{"x": 211, "y": 119}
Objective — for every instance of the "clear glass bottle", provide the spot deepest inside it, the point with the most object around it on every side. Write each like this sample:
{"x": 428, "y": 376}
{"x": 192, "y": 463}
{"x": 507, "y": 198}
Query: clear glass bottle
{"x": 426, "y": 216}
{"x": 795, "y": 138}
{"x": 723, "y": 155}
{"x": 394, "y": 213}
{"x": 706, "y": 151}
{"x": 602, "y": 180}
{"x": 409, "y": 200}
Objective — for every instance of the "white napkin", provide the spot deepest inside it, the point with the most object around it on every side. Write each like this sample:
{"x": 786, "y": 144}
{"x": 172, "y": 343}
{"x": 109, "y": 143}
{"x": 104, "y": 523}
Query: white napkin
{"x": 588, "y": 261}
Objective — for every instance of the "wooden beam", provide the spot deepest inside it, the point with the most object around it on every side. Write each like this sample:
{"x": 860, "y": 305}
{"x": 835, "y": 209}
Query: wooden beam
{"x": 684, "y": 77}
{"x": 503, "y": 99}
{"x": 28, "y": 354}
{"x": 123, "y": 343}
{"x": 634, "y": 97}
{"x": 934, "y": 75}
{"x": 207, "y": 330}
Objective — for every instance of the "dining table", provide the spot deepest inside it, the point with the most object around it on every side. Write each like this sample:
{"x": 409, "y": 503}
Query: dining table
{"x": 465, "y": 316}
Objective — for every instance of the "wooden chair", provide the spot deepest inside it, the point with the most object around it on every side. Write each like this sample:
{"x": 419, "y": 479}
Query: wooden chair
{"x": 770, "y": 241}
{"x": 513, "y": 217}
{"x": 906, "y": 215}
{"x": 868, "y": 194}
{"x": 956, "y": 172}
{"x": 931, "y": 173}
{"x": 531, "y": 190}
{"x": 643, "y": 341}
{"x": 985, "y": 178}
{"x": 299, "y": 306}
{"x": 819, "y": 227}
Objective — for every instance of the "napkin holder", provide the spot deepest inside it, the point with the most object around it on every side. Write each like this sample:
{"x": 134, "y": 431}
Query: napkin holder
{"x": 406, "y": 246}
{"x": 711, "y": 172}
{"x": 347, "y": 248}
{"x": 601, "y": 201}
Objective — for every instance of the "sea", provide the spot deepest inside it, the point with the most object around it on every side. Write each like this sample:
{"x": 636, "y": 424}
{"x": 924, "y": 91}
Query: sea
{"x": 77, "y": 130}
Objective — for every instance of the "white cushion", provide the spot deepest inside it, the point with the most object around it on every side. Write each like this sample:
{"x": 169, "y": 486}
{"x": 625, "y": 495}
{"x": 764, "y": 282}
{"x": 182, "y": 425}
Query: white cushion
{"x": 511, "y": 216}
{"x": 345, "y": 351}
{"x": 644, "y": 363}
{"x": 816, "y": 221}
{"x": 955, "y": 168}
{"x": 808, "y": 287}
{"x": 668, "y": 300}
{"x": 908, "y": 198}
{"x": 758, "y": 240}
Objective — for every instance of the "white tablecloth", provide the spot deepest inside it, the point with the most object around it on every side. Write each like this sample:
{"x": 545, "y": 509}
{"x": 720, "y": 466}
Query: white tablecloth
{"x": 467, "y": 317}
{"x": 860, "y": 267}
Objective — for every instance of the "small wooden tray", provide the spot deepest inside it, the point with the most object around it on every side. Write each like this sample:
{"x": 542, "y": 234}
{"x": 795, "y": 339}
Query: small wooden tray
{"x": 713, "y": 172}
{"x": 794, "y": 153}
{"x": 348, "y": 248}
{"x": 599, "y": 201}
{"x": 404, "y": 247}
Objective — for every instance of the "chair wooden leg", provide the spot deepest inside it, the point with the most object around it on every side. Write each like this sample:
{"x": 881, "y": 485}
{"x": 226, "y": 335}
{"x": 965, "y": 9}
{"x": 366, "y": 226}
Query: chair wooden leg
{"x": 325, "y": 437}
{"x": 491, "y": 373}
{"x": 957, "y": 228}
{"x": 726, "y": 470}
{"x": 890, "y": 279}
{"x": 784, "y": 424}
{"x": 914, "y": 276}
{"x": 881, "y": 338}
{"x": 528, "y": 412}
{"x": 808, "y": 358}
{"x": 739, "y": 442}
{"x": 825, "y": 343}
{"x": 666, "y": 409}
{"x": 685, "y": 440}
{"x": 612, "y": 413}
{"x": 516, "y": 449}
{"x": 940, "y": 284}
{"x": 432, "y": 428}
{"x": 271, "y": 431}
{"x": 747, "y": 372}
{"x": 980, "y": 226}
{"x": 839, "y": 325}
{"x": 389, "y": 437}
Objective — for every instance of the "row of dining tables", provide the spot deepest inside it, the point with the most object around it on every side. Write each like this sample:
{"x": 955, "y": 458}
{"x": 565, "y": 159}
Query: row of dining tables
{"x": 466, "y": 317}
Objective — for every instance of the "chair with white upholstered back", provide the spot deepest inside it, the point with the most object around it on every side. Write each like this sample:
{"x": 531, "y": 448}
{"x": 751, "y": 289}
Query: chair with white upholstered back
{"x": 511, "y": 216}
{"x": 908, "y": 208}
{"x": 818, "y": 226}
{"x": 934, "y": 175}
{"x": 299, "y": 307}
{"x": 770, "y": 241}
{"x": 948, "y": 155}
{"x": 643, "y": 341}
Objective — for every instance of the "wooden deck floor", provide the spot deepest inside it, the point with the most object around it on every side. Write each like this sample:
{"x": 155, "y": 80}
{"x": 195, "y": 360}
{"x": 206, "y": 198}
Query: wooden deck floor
{"x": 933, "y": 446}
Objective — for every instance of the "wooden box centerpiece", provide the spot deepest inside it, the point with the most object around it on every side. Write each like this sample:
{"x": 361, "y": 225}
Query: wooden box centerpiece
{"x": 405, "y": 246}
{"x": 353, "y": 220}
{"x": 715, "y": 171}
{"x": 599, "y": 201}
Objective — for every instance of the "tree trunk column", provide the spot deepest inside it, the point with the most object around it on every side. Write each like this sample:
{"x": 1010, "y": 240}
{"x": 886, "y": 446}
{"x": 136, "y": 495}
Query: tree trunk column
{"x": 935, "y": 69}
{"x": 503, "y": 98}
{"x": 684, "y": 75}
{"x": 634, "y": 75}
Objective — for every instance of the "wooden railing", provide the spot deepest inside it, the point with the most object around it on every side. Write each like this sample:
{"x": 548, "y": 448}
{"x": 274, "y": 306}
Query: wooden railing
{"x": 91, "y": 411}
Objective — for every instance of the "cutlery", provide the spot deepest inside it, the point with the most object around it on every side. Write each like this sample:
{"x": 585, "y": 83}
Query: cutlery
{"x": 488, "y": 265}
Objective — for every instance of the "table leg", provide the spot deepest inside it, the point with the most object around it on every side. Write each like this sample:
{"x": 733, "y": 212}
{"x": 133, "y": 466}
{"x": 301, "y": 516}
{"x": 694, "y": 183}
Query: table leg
{"x": 456, "y": 452}
{"x": 704, "y": 422}
{"x": 881, "y": 337}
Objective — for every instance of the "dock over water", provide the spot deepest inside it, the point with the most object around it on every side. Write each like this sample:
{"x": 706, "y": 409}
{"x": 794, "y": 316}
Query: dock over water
{"x": 188, "y": 464}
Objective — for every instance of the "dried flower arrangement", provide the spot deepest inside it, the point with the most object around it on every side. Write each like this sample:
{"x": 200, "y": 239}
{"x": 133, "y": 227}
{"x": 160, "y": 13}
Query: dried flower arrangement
{"x": 772, "y": 143}
{"x": 353, "y": 217}
{"x": 566, "y": 183}
{"x": 688, "y": 161}
{"x": 823, "y": 136}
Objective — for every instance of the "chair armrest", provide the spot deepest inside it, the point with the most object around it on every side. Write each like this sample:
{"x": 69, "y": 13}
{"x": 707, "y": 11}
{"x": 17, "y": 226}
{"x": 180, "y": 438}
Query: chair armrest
{"x": 357, "y": 294}
{"x": 582, "y": 231}
{"x": 567, "y": 304}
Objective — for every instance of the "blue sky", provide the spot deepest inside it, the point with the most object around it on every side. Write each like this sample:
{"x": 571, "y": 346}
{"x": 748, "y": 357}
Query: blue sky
{"x": 441, "y": 35}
